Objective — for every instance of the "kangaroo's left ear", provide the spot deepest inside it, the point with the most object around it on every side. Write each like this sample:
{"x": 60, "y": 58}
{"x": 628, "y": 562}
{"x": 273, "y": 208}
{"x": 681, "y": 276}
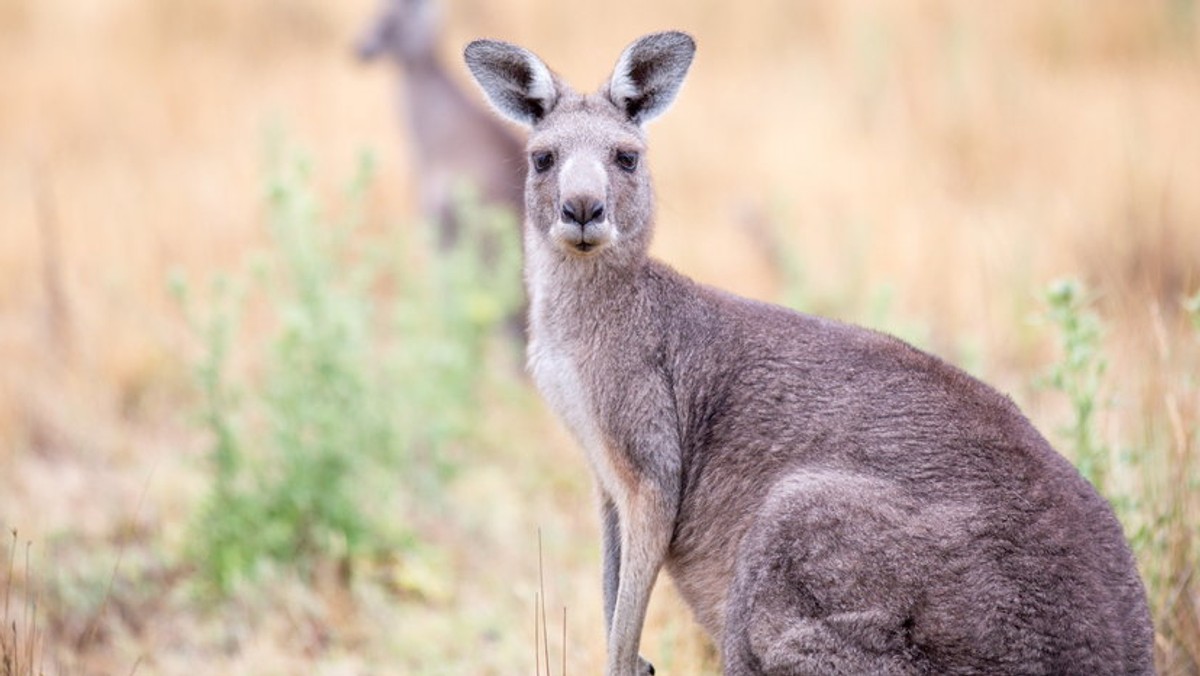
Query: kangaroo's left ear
{"x": 649, "y": 73}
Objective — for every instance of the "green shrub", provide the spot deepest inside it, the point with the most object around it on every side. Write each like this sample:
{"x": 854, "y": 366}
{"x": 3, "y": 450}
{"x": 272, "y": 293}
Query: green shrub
{"x": 1079, "y": 374}
{"x": 1151, "y": 482}
{"x": 353, "y": 407}
{"x": 1192, "y": 307}
{"x": 1122, "y": 475}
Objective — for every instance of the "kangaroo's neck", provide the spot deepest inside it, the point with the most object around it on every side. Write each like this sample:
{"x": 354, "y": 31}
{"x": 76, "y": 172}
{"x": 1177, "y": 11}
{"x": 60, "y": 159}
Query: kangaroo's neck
{"x": 592, "y": 327}
{"x": 581, "y": 299}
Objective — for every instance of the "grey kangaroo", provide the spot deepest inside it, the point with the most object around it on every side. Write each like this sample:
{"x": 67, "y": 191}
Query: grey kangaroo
{"x": 827, "y": 499}
{"x": 454, "y": 140}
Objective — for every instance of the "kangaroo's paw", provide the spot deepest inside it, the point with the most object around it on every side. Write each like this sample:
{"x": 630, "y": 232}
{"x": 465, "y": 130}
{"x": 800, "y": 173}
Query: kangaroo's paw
{"x": 644, "y": 667}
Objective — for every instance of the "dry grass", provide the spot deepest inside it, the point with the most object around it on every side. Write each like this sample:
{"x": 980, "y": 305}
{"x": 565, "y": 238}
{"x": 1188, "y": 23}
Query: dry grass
{"x": 958, "y": 154}
{"x": 20, "y": 636}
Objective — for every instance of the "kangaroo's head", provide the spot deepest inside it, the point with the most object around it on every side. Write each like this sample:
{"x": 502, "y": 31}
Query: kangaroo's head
{"x": 402, "y": 29}
{"x": 588, "y": 192}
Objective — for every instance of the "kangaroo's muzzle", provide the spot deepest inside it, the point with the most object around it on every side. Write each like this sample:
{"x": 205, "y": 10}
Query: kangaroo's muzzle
{"x": 583, "y": 226}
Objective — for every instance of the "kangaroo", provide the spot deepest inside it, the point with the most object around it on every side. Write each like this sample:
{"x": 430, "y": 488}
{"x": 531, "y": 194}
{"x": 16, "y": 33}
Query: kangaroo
{"x": 828, "y": 499}
{"x": 453, "y": 139}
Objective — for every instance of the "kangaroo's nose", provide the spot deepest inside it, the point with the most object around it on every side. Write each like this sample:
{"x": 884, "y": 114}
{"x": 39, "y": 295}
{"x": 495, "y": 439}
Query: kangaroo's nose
{"x": 582, "y": 210}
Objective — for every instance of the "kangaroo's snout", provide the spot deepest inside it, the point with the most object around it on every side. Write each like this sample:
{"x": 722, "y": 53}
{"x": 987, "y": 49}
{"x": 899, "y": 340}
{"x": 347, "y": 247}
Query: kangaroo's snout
{"x": 583, "y": 224}
{"x": 582, "y": 210}
{"x": 583, "y": 237}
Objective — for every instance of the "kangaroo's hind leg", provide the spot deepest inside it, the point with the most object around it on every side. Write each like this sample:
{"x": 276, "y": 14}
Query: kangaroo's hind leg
{"x": 827, "y": 582}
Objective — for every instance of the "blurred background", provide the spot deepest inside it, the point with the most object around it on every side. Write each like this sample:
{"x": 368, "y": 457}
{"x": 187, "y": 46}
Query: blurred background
{"x": 254, "y": 421}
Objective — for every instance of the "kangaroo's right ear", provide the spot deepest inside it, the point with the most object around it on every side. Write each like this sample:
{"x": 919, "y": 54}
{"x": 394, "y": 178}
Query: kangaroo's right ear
{"x": 517, "y": 83}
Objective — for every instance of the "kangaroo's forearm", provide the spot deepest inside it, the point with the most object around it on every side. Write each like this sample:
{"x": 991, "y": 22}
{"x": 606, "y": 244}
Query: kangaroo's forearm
{"x": 645, "y": 539}
{"x": 610, "y": 529}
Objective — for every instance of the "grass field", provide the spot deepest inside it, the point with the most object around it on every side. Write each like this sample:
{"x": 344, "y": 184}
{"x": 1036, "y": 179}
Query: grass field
{"x": 930, "y": 168}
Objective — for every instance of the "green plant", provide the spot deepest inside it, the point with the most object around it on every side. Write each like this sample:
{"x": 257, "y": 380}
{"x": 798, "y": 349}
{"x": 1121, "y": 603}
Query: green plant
{"x": 1079, "y": 373}
{"x": 1192, "y": 307}
{"x": 1151, "y": 482}
{"x": 447, "y": 310}
{"x": 358, "y": 405}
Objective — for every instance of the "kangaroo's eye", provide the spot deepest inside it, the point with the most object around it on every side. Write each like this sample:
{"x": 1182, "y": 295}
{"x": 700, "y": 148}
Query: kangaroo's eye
{"x": 542, "y": 161}
{"x": 627, "y": 160}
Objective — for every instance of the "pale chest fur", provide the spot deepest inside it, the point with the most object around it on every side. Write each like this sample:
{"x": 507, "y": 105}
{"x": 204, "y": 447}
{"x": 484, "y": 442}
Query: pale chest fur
{"x": 554, "y": 362}
{"x": 560, "y": 384}
{"x": 556, "y": 373}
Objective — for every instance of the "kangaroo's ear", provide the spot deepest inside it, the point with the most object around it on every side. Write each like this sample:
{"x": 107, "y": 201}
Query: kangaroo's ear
{"x": 649, "y": 73}
{"x": 371, "y": 42}
{"x": 517, "y": 83}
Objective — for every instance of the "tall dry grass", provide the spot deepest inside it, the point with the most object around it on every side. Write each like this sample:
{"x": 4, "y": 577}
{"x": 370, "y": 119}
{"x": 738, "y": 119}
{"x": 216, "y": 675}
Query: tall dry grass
{"x": 935, "y": 162}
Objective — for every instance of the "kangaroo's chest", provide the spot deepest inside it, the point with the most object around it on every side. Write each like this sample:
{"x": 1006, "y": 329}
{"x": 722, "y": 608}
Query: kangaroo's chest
{"x": 558, "y": 378}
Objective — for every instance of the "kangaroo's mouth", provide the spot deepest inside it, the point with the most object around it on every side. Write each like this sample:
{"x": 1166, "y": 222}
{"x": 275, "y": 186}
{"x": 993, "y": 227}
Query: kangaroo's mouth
{"x": 583, "y": 240}
{"x": 583, "y": 248}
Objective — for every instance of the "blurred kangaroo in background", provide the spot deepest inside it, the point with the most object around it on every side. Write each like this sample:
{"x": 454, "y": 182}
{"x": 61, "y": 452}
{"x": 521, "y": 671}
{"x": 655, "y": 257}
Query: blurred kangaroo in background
{"x": 454, "y": 140}
{"x": 828, "y": 499}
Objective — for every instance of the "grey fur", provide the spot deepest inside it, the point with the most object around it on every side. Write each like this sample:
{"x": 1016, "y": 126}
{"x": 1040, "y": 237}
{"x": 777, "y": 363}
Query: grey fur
{"x": 828, "y": 499}
{"x": 649, "y": 73}
{"x": 453, "y": 139}
{"x": 520, "y": 87}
